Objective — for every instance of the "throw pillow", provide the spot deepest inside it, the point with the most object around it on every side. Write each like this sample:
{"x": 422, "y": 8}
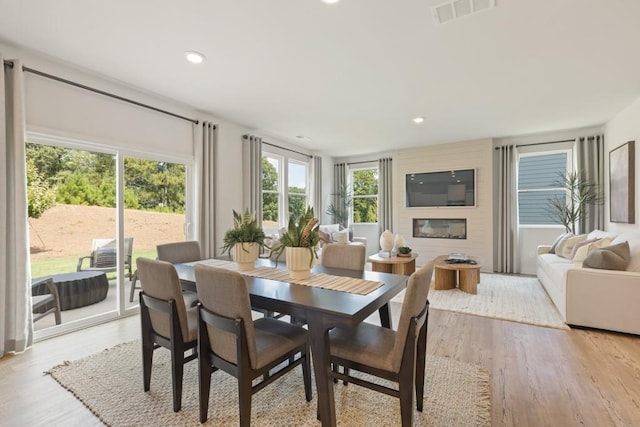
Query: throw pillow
{"x": 559, "y": 239}
{"x": 614, "y": 257}
{"x": 565, "y": 247}
{"x": 585, "y": 250}
{"x": 325, "y": 237}
{"x": 580, "y": 245}
{"x": 634, "y": 248}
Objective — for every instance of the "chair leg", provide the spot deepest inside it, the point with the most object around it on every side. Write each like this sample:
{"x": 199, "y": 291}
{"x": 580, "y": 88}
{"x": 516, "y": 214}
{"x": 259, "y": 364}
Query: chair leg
{"x": 406, "y": 398}
{"x": 177, "y": 369}
{"x": 421, "y": 355}
{"x": 204, "y": 384}
{"x": 57, "y": 313}
{"x": 147, "y": 362}
{"x": 133, "y": 286}
{"x": 244, "y": 399}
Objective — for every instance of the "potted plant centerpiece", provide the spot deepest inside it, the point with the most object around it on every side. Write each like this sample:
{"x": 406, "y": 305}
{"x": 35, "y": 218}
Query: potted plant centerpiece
{"x": 299, "y": 242}
{"x": 244, "y": 240}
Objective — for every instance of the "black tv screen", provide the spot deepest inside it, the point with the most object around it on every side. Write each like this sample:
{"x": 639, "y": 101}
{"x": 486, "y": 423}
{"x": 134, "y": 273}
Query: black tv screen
{"x": 446, "y": 188}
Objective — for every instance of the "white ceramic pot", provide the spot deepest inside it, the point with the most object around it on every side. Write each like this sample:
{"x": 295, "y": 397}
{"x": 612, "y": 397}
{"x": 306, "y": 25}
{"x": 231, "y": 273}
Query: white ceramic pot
{"x": 399, "y": 241}
{"x": 386, "y": 240}
{"x": 299, "y": 262}
{"x": 245, "y": 255}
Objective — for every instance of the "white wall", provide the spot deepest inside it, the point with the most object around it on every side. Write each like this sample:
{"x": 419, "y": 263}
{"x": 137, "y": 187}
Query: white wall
{"x": 460, "y": 155}
{"x": 622, "y": 128}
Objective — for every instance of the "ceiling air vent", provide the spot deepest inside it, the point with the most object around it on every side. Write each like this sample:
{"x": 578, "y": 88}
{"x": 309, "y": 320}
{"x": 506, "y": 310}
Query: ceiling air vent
{"x": 456, "y": 9}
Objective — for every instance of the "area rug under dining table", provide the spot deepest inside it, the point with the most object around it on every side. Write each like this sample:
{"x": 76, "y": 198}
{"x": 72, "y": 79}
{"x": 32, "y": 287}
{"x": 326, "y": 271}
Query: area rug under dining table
{"x": 110, "y": 385}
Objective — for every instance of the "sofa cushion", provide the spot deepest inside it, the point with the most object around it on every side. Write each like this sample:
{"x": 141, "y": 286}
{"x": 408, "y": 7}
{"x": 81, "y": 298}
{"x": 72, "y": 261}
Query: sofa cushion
{"x": 599, "y": 234}
{"x": 560, "y": 238}
{"x": 565, "y": 247}
{"x": 581, "y": 244}
{"x": 614, "y": 257}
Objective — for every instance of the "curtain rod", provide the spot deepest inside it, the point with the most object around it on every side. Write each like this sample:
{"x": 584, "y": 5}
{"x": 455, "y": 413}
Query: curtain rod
{"x": 538, "y": 143}
{"x": 359, "y": 163}
{"x": 287, "y": 149}
{"x": 101, "y": 92}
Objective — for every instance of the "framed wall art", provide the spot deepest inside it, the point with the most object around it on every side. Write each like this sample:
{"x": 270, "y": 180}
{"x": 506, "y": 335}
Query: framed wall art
{"x": 622, "y": 184}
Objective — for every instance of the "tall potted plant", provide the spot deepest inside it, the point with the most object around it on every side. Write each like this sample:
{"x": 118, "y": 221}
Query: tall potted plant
{"x": 244, "y": 241}
{"x": 571, "y": 209}
{"x": 340, "y": 206}
{"x": 299, "y": 242}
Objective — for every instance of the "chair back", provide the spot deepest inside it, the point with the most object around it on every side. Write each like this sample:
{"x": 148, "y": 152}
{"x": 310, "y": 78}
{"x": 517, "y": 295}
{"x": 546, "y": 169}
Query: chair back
{"x": 103, "y": 252}
{"x": 178, "y": 252}
{"x": 159, "y": 280}
{"x": 224, "y": 292}
{"x": 350, "y": 257}
{"x": 415, "y": 300}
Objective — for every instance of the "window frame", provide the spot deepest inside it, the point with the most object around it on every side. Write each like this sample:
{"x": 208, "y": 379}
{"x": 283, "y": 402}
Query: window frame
{"x": 350, "y": 183}
{"x": 285, "y": 159}
{"x": 536, "y": 153}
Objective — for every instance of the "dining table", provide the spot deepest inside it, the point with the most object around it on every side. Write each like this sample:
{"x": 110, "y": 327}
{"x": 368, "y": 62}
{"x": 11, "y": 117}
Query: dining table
{"x": 323, "y": 309}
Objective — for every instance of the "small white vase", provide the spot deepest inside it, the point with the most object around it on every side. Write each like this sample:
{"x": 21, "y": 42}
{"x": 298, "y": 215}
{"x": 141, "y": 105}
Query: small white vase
{"x": 386, "y": 240}
{"x": 245, "y": 255}
{"x": 299, "y": 262}
{"x": 399, "y": 241}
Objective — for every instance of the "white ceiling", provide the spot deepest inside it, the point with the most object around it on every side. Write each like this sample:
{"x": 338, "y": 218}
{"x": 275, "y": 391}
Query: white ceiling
{"x": 350, "y": 76}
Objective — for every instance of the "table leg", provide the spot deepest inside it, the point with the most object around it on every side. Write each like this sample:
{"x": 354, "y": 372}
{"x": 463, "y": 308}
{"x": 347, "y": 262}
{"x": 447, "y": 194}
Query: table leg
{"x": 444, "y": 278}
{"x": 381, "y": 267}
{"x": 319, "y": 336}
{"x": 469, "y": 279}
{"x": 385, "y": 316}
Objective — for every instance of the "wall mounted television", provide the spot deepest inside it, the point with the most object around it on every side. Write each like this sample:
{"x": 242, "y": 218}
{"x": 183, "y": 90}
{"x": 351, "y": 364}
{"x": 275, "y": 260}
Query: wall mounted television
{"x": 439, "y": 189}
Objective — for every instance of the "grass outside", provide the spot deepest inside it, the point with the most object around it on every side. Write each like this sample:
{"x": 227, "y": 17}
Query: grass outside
{"x": 49, "y": 266}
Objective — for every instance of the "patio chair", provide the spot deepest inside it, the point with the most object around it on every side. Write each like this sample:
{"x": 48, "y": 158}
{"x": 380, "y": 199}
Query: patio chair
{"x": 45, "y": 299}
{"x": 103, "y": 256}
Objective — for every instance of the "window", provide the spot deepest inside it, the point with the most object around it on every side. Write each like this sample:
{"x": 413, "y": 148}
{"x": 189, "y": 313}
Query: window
{"x": 284, "y": 189}
{"x": 538, "y": 176}
{"x": 364, "y": 183}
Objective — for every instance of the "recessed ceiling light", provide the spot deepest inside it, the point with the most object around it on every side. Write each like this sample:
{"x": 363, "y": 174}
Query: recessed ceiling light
{"x": 330, "y": 1}
{"x": 418, "y": 120}
{"x": 194, "y": 57}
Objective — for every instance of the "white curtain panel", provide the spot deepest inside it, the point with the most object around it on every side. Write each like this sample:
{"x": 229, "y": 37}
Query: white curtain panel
{"x": 252, "y": 164}
{"x": 206, "y": 140}
{"x": 508, "y": 259}
{"x": 316, "y": 197}
{"x": 385, "y": 195}
{"x": 16, "y": 326}
{"x": 590, "y": 159}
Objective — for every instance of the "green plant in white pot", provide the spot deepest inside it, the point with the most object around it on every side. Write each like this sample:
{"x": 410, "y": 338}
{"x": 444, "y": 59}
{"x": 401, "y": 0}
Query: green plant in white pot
{"x": 299, "y": 242}
{"x": 244, "y": 241}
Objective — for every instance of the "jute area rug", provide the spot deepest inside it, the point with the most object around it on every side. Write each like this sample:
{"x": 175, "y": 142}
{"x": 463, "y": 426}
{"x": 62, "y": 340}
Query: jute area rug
{"x": 515, "y": 298}
{"x": 110, "y": 385}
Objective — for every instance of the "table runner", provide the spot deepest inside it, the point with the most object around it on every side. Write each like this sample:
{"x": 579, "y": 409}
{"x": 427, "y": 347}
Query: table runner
{"x": 319, "y": 280}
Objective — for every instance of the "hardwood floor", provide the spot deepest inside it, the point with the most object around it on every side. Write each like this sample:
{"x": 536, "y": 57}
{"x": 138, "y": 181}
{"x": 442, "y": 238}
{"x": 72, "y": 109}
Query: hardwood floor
{"x": 539, "y": 376}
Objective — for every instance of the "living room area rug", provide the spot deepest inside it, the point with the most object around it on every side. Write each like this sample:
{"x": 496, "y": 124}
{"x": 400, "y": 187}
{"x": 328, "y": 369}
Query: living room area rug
{"x": 500, "y": 296}
{"x": 109, "y": 384}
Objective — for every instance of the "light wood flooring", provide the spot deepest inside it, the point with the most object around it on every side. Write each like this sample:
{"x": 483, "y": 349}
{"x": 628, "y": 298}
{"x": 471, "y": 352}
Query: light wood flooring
{"x": 539, "y": 376}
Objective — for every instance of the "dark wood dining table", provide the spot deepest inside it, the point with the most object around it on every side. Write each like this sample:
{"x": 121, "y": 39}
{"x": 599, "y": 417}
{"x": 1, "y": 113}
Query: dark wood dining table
{"x": 323, "y": 309}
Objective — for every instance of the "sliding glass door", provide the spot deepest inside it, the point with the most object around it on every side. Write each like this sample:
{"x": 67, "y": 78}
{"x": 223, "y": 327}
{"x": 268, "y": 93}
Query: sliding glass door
{"x": 92, "y": 213}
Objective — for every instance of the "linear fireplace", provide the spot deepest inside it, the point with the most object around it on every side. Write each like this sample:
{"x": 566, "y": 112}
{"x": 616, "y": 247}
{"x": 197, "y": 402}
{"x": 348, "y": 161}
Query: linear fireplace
{"x": 440, "y": 228}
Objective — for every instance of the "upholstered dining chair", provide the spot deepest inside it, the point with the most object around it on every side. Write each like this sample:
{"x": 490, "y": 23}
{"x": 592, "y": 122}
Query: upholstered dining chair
{"x": 338, "y": 255}
{"x": 230, "y": 340}
{"x": 398, "y": 356}
{"x": 179, "y": 252}
{"x": 166, "y": 322}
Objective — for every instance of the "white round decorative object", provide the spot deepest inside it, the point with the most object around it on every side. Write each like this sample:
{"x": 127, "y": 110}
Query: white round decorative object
{"x": 386, "y": 240}
{"x": 399, "y": 241}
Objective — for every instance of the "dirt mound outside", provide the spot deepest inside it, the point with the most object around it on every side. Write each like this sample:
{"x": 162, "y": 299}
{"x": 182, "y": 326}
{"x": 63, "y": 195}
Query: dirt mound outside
{"x": 67, "y": 230}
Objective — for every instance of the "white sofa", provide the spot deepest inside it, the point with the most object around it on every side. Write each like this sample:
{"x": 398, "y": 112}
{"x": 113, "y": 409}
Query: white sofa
{"x": 596, "y": 298}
